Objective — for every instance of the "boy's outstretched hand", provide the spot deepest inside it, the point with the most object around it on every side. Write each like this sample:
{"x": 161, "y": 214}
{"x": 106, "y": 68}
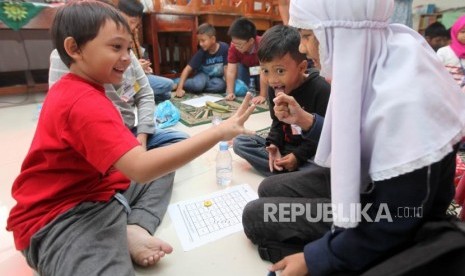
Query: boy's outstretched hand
{"x": 234, "y": 126}
{"x": 292, "y": 265}
{"x": 259, "y": 99}
{"x": 180, "y": 92}
{"x": 230, "y": 97}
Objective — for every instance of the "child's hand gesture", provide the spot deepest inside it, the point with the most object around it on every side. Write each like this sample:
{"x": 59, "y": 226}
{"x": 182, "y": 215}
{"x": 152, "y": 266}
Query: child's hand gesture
{"x": 234, "y": 126}
{"x": 230, "y": 97}
{"x": 180, "y": 92}
{"x": 287, "y": 109}
{"x": 273, "y": 155}
{"x": 146, "y": 66}
{"x": 289, "y": 162}
{"x": 259, "y": 99}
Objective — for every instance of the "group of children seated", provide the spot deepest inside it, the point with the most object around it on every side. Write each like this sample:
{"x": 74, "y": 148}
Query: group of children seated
{"x": 221, "y": 68}
{"x": 93, "y": 177}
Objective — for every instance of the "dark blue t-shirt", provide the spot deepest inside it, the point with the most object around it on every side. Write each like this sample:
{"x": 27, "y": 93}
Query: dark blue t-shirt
{"x": 211, "y": 64}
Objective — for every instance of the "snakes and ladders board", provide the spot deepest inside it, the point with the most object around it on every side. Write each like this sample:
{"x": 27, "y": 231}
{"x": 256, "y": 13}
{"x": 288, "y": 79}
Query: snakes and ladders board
{"x": 211, "y": 217}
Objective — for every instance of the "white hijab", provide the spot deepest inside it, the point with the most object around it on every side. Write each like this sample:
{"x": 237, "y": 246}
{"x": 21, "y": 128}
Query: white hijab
{"x": 393, "y": 107}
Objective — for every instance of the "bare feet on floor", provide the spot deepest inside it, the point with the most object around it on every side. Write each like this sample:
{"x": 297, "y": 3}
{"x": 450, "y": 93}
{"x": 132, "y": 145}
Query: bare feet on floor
{"x": 145, "y": 249}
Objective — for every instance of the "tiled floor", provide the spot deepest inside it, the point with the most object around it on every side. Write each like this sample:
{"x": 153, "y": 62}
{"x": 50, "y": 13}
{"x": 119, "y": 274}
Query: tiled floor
{"x": 233, "y": 255}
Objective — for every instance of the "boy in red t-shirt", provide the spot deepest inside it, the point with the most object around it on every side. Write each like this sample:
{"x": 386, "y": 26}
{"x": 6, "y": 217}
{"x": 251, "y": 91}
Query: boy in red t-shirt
{"x": 77, "y": 210}
{"x": 243, "y": 61}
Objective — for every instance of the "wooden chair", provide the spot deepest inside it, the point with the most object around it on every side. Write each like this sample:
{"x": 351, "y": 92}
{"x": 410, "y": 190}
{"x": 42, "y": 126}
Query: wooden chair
{"x": 173, "y": 40}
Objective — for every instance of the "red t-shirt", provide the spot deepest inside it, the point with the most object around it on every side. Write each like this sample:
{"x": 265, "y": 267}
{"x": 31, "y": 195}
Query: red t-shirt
{"x": 79, "y": 136}
{"x": 247, "y": 59}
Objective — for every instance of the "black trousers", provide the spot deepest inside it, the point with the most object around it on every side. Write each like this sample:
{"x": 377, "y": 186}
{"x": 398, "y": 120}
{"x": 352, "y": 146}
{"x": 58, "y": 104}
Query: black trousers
{"x": 306, "y": 189}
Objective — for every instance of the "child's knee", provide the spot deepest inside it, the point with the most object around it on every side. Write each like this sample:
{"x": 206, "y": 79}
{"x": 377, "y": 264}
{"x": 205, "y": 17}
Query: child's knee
{"x": 250, "y": 216}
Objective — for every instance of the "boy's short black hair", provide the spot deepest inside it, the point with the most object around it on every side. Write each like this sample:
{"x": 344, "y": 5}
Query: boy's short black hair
{"x": 206, "y": 29}
{"x": 132, "y": 8}
{"x": 82, "y": 21}
{"x": 277, "y": 42}
{"x": 242, "y": 28}
{"x": 436, "y": 29}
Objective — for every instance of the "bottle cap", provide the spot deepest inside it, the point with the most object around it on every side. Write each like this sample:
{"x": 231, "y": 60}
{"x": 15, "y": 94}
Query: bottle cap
{"x": 224, "y": 145}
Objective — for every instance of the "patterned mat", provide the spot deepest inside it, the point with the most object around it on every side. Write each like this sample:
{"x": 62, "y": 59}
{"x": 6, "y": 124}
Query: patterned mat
{"x": 194, "y": 116}
{"x": 263, "y": 132}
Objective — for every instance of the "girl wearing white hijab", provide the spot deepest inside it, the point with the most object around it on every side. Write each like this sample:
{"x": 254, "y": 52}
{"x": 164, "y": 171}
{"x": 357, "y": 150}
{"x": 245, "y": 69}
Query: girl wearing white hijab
{"x": 392, "y": 123}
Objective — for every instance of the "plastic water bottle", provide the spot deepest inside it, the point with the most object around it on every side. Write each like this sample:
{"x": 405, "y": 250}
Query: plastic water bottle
{"x": 252, "y": 87}
{"x": 223, "y": 165}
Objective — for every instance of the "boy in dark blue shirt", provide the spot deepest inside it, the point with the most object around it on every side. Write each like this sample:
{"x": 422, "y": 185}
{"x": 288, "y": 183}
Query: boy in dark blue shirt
{"x": 209, "y": 63}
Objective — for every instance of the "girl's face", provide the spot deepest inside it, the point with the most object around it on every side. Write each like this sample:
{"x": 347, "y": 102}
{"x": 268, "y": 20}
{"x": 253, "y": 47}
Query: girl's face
{"x": 309, "y": 46}
{"x": 461, "y": 36}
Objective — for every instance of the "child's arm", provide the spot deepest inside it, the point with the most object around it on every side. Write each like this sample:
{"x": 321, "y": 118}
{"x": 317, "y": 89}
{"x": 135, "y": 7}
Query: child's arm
{"x": 276, "y": 134}
{"x": 225, "y": 72}
{"x": 182, "y": 79}
{"x": 144, "y": 102}
{"x": 143, "y": 166}
{"x": 261, "y": 98}
{"x": 284, "y": 10}
{"x": 231, "y": 73}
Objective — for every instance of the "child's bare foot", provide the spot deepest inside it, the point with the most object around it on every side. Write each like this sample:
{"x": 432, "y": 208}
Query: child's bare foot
{"x": 145, "y": 249}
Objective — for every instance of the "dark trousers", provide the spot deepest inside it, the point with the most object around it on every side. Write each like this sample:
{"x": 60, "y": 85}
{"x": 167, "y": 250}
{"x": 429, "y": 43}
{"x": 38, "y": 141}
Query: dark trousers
{"x": 305, "y": 188}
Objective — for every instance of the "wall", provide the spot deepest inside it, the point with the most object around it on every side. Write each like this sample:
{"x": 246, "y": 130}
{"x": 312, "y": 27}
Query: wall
{"x": 449, "y": 16}
{"x": 441, "y": 4}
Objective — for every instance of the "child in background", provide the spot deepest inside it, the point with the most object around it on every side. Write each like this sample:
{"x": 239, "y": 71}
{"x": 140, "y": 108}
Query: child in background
{"x": 77, "y": 210}
{"x": 436, "y": 35}
{"x": 283, "y": 70}
{"x": 209, "y": 63}
{"x": 453, "y": 55}
{"x": 242, "y": 59}
{"x": 132, "y": 10}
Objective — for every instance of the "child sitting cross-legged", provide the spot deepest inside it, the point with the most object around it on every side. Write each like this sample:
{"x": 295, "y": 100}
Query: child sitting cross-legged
{"x": 85, "y": 193}
{"x": 284, "y": 70}
{"x": 209, "y": 64}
